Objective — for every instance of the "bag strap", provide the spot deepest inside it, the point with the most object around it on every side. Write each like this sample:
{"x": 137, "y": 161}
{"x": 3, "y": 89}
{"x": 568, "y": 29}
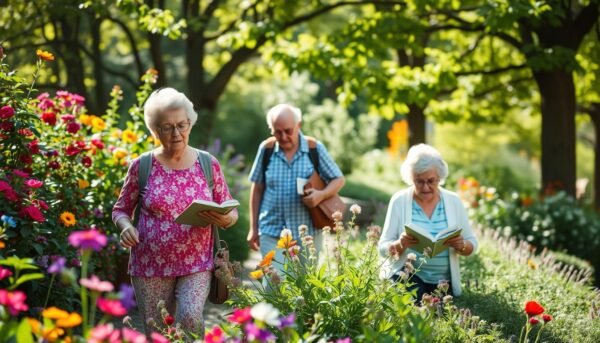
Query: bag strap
{"x": 143, "y": 173}
{"x": 269, "y": 144}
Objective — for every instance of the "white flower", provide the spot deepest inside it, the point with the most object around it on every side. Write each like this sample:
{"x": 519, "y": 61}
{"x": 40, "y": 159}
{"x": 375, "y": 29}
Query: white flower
{"x": 411, "y": 256}
{"x": 355, "y": 209}
{"x": 286, "y": 232}
{"x": 266, "y": 313}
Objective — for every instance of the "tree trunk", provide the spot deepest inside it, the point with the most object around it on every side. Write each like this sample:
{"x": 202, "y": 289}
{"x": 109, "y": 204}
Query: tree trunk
{"x": 156, "y": 54}
{"x": 557, "y": 92}
{"x": 416, "y": 125}
{"x": 595, "y": 115}
{"x": 74, "y": 62}
{"x": 99, "y": 90}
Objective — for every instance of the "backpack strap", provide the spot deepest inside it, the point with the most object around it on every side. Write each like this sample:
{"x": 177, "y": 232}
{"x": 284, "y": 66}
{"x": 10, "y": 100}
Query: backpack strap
{"x": 143, "y": 173}
{"x": 313, "y": 154}
{"x": 269, "y": 144}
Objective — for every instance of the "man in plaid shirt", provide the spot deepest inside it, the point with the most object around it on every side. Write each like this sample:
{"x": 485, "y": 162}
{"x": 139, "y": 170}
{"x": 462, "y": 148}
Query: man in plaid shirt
{"x": 274, "y": 200}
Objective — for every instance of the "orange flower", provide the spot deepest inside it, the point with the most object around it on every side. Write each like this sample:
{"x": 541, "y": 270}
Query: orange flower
{"x": 129, "y": 136}
{"x": 86, "y": 119}
{"x": 53, "y": 334}
{"x": 83, "y": 184}
{"x": 68, "y": 218}
{"x": 267, "y": 260}
{"x": 2, "y": 245}
{"x": 285, "y": 242}
{"x": 98, "y": 123}
{"x": 35, "y": 325}
{"x": 72, "y": 320}
{"x": 45, "y": 55}
{"x": 54, "y": 313}
{"x": 257, "y": 274}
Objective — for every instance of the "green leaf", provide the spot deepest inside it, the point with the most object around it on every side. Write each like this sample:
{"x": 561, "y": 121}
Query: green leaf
{"x": 24, "y": 332}
{"x": 27, "y": 277}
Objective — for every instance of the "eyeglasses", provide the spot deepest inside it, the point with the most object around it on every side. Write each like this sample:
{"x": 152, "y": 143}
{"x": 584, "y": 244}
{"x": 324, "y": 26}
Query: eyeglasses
{"x": 429, "y": 182}
{"x": 170, "y": 129}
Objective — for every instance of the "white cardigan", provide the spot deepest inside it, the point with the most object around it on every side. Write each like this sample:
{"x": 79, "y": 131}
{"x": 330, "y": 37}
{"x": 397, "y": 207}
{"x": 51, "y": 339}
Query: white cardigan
{"x": 399, "y": 212}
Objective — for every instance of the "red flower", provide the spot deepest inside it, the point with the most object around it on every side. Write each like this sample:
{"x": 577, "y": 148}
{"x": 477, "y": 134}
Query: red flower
{"x": 25, "y": 132}
{"x": 533, "y": 320}
{"x": 6, "y": 112}
{"x": 73, "y": 127}
{"x": 86, "y": 161}
{"x": 532, "y": 308}
{"x": 67, "y": 117}
{"x": 97, "y": 142}
{"x": 547, "y": 318}
{"x": 49, "y": 118}
{"x": 34, "y": 147}
{"x": 169, "y": 320}
{"x": 53, "y": 165}
{"x": 26, "y": 159}
{"x": 72, "y": 150}
{"x": 6, "y": 126}
{"x": 32, "y": 212}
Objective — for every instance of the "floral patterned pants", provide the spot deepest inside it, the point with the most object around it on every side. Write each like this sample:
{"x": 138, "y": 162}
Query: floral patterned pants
{"x": 184, "y": 297}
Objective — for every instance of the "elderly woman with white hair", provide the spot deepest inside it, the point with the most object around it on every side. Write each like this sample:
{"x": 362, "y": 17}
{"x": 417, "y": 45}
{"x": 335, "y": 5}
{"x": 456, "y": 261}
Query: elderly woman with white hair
{"x": 170, "y": 262}
{"x": 433, "y": 208}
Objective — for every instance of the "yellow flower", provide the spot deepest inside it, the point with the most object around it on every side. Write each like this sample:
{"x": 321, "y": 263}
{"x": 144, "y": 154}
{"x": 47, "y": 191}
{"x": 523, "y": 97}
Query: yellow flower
{"x": 531, "y": 263}
{"x": 268, "y": 259}
{"x": 45, "y": 55}
{"x": 116, "y": 133}
{"x": 35, "y": 325}
{"x": 129, "y": 136}
{"x": 83, "y": 184}
{"x": 54, "y": 313}
{"x": 68, "y": 218}
{"x": 285, "y": 242}
{"x": 86, "y": 119}
{"x": 257, "y": 274}
{"x": 72, "y": 320}
{"x": 98, "y": 123}
{"x": 119, "y": 153}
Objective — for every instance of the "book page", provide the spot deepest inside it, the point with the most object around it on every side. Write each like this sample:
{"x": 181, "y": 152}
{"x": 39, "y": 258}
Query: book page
{"x": 190, "y": 215}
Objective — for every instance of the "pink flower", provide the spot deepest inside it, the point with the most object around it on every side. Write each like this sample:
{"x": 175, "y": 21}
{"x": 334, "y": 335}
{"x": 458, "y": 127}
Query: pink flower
{"x": 13, "y": 301}
{"x": 240, "y": 315}
{"x": 158, "y": 338}
{"x": 105, "y": 333}
{"x": 49, "y": 118}
{"x": 20, "y": 173}
{"x": 73, "y": 127}
{"x": 32, "y": 212}
{"x": 216, "y": 335}
{"x": 89, "y": 239}
{"x": 133, "y": 336}
{"x": 67, "y": 117}
{"x": 6, "y": 112}
{"x": 33, "y": 183}
{"x": 111, "y": 307}
{"x": 95, "y": 284}
{"x": 4, "y": 273}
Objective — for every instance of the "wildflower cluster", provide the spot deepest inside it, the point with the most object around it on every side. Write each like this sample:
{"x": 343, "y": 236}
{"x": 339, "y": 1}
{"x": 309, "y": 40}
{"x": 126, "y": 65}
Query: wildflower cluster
{"x": 534, "y": 313}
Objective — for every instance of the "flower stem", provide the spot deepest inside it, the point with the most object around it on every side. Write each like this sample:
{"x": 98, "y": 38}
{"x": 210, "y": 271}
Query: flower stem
{"x": 38, "y": 66}
{"x": 83, "y": 291}
{"x": 48, "y": 294}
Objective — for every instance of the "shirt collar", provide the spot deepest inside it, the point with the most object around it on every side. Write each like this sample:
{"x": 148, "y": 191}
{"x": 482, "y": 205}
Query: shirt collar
{"x": 302, "y": 140}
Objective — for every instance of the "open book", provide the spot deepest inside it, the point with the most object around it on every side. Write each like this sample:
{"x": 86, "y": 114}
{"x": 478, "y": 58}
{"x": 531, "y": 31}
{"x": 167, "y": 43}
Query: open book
{"x": 190, "y": 214}
{"x": 435, "y": 244}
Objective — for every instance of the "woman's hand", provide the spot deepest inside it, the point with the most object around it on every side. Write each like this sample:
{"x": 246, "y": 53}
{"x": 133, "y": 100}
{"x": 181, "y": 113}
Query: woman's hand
{"x": 129, "y": 237}
{"x": 458, "y": 243}
{"x": 218, "y": 219}
{"x": 404, "y": 242}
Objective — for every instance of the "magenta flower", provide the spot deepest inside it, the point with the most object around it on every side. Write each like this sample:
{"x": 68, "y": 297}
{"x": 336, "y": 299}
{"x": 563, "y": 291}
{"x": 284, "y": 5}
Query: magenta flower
{"x": 67, "y": 117}
{"x": 158, "y": 338}
{"x": 288, "y": 321}
{"x": 240, "y": 315}
{"x": 88, "y": 239}
{"x": 95, "y": 284}
{"x": 111, "y": 307}
{"x": 32, "y": 212}
{"x": 4, "y": 273}
{"x": 6, "y": 112}
{"x": 13, "y": 301}
{"x": 20, "y": 173}
{"x": 254, "y": 333}
{"x": 33, "y": 183}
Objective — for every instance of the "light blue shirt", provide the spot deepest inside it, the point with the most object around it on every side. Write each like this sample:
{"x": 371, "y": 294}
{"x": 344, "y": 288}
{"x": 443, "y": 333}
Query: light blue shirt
{"x": 437, "y": 267}
{"x": 281, "y": 205}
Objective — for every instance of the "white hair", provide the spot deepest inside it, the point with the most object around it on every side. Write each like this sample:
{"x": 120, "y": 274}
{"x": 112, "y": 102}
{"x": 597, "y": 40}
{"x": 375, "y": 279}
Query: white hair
{"x": 164, "y": 99}
{"x": 420, "y": 159}
{"x": 276, "y": 110}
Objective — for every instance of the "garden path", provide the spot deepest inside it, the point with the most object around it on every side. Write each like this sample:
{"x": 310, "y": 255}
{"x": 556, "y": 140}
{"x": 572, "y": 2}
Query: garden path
{"x": 213, "y": 314}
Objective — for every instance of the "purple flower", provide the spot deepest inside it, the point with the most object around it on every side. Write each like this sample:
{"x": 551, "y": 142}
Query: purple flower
{"x": 255, "y": 333}
{"x": 57, "y": 266}
{"x": 288, "y": 321}
{"x": 126, "y": 296}
{"x": 88, "y": 239}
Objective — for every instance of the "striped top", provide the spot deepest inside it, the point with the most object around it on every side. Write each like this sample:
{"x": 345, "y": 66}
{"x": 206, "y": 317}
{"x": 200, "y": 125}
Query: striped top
{"x": 437, "y": 267}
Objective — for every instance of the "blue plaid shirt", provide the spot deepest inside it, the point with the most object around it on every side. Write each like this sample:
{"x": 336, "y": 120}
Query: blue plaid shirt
{"x": 281, "y": 205}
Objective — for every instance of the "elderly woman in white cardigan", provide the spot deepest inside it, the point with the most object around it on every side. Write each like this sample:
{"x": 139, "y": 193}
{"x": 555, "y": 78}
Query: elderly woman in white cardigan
{"x": 432, "y": 208}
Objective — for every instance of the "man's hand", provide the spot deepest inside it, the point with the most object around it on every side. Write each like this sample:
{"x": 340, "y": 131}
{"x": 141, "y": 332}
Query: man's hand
{"x": 252, "y": 239}
{"x": 312, "y": 197}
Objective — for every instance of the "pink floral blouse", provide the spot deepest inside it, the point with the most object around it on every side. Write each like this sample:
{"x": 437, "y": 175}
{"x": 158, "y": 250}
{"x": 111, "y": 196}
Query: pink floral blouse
{"x": 167, "y": 248}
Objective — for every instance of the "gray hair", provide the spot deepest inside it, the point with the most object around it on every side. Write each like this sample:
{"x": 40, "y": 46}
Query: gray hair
{"x": 420, "y": 159}
{"x": 164, "y": 99}
{"x": 278, "y": 109}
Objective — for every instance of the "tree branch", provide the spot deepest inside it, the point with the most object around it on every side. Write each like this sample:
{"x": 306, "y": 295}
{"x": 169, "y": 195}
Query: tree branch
{"x": 492, "y": 71}
{"x": 131, "y": 38}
